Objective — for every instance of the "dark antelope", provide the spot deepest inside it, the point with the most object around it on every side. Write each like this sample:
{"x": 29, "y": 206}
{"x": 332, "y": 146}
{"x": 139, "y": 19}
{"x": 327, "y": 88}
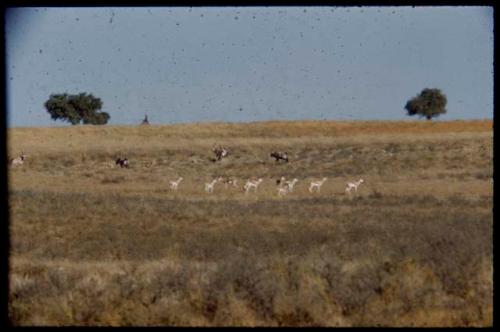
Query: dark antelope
{"x": 220, "y": 152}
{"x": 122, "y": 162}
{"x": 280, "y": 156}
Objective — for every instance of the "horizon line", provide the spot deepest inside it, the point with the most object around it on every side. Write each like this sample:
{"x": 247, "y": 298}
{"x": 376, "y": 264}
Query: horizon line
{"x": 416, "y": 120}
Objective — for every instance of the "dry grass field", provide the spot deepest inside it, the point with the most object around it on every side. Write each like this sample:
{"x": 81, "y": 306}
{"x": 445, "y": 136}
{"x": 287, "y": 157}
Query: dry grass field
{"x": 98, "y": 245}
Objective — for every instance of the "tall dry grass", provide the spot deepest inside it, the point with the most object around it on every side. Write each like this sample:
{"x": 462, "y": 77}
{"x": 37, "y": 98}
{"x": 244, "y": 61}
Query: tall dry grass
{"x": 92, "y": 245}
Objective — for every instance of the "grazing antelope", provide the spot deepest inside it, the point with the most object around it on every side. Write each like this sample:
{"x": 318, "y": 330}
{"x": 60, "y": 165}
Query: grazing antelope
{"x": 19, "y": 160}
{"x": 175, "y": 184}
{"x": 280, "y": 181}
{"x": 252, "y": 184}
{"x": 316, "y": 184}
{"x": 282, "y": 191}
{"x": 279, "y": 156}
{"x": 290, "y": 184}
{"x": 353, "y": 185}
{"x": 122, "y": 162}
{"x": 220, "y": 152}
{"x": 209, "y": 187}
{"x": 282, "y": 187}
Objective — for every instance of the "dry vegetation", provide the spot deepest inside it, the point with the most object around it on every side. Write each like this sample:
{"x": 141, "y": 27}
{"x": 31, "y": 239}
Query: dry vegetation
{"x": 94, "y": 245}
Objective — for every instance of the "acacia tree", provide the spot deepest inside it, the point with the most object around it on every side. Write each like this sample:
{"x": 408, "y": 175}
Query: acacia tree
{"x": 429, "y": 103}
{"x": 76, "y": 109}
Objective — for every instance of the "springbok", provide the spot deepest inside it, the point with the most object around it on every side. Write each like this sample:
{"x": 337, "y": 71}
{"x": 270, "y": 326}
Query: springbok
{"x": 290, "y": 184}
{"x": 220, "y": 152}
{"x": 252, "y": 184}
{"x": 353, "y": 185}
{"x": 316, "y": 184}
{"x": 282, "y": 191}
{"x": 278, "y": 155}
{"x": 122, "y": 162}
{"x": 19, "y": 161}
{"x": 175, "y": 184}
{"x": 209, "y": 187}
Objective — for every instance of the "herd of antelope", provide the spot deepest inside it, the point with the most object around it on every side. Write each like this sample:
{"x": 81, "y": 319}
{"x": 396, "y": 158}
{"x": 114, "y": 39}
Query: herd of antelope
{"x": 284, "y": 187}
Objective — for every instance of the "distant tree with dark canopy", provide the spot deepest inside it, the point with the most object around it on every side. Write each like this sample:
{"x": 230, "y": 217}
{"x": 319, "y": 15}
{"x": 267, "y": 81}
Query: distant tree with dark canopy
{"x": 76, "y": 109}
{"x": 430, "y": 103}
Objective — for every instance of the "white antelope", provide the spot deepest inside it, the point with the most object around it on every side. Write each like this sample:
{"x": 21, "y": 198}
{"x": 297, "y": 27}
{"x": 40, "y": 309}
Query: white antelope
{"x": 175, "y": 184}
{"x": 209, "y": 187}
{"x": 282, "y": 191}
{"x": 290, "y": 184}
{"x": 252, "y": 184}
{"x": 317, "y": 185}
{"x": 353, "y": 185}
{"x": 280, "y": 181}
{"x": 19, "y": 160}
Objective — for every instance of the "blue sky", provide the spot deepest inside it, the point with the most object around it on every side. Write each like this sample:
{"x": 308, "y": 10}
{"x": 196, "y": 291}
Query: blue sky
{"x": 240, "y": 64}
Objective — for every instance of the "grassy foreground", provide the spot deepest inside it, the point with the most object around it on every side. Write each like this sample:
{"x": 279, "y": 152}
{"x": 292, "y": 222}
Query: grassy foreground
{"x": 98, "y": 245}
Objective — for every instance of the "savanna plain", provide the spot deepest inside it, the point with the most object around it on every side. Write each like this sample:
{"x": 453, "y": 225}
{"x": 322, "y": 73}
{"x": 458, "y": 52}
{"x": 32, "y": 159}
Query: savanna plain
{"x": 96, "y": 244}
